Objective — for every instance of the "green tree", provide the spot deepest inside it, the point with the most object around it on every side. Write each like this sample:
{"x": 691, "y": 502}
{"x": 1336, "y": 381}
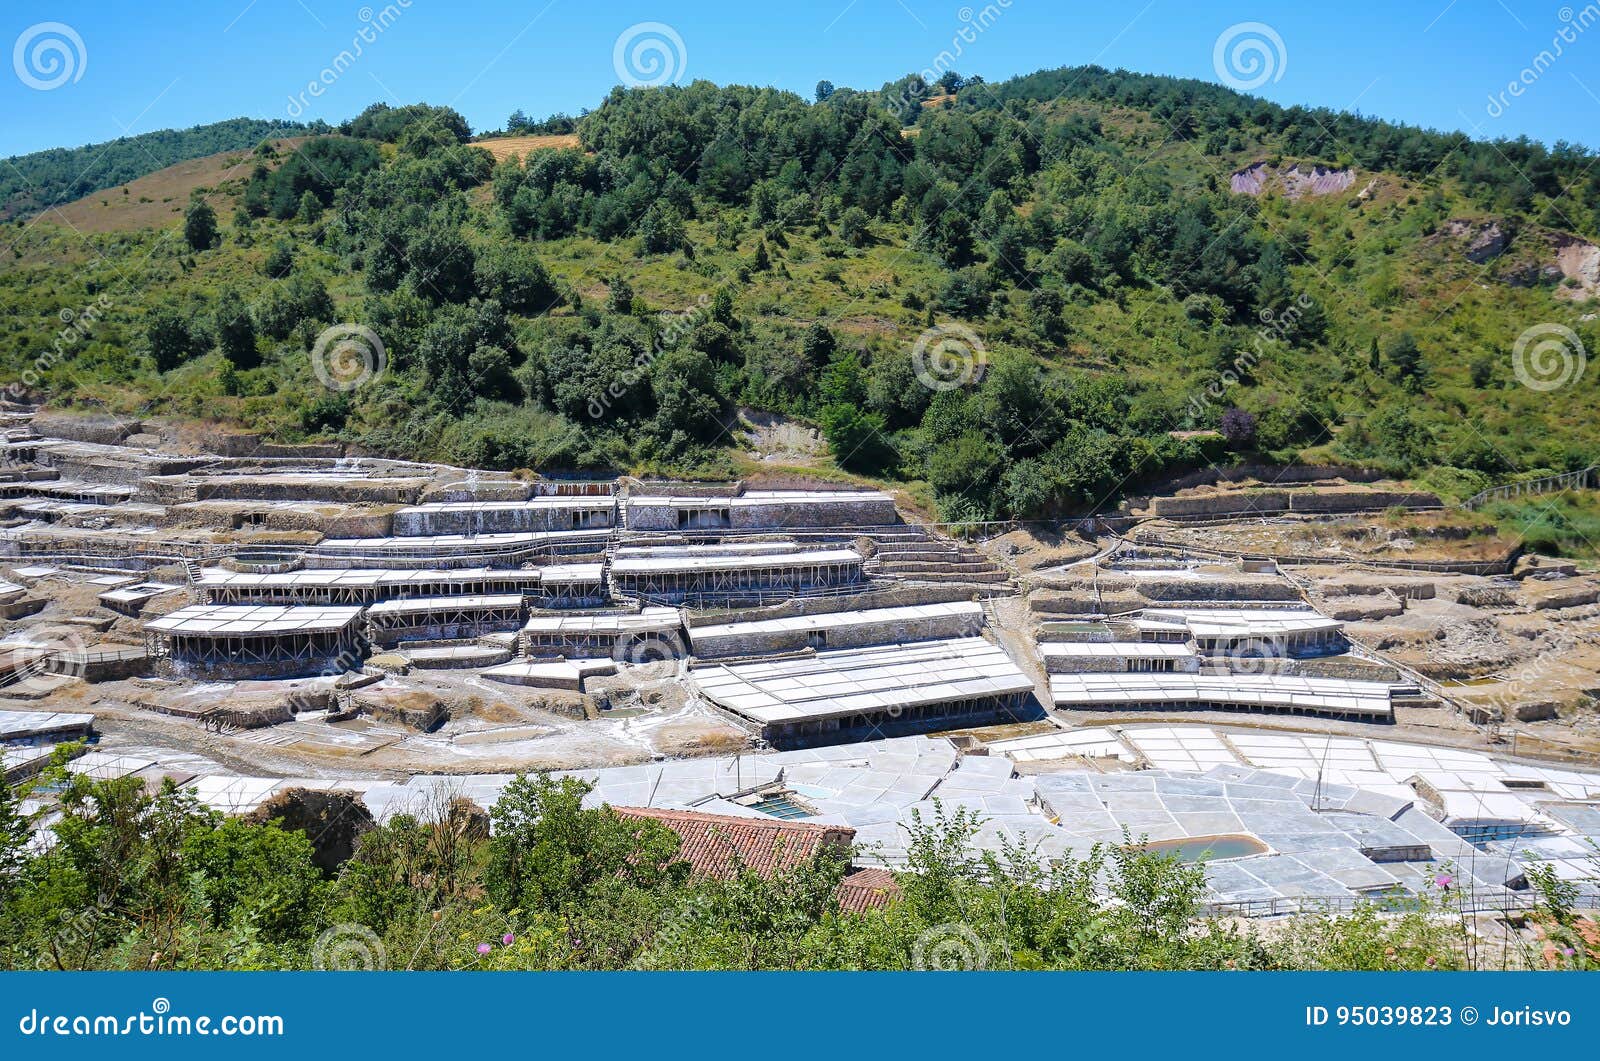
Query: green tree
{"x": 200, "y": 225}
{"x": 548, "y": 852}
{"x": 817, "y": 348}
{"x": 513, "y": 275}
{"x": 662, "y": 231}
{"x": 309, "y": 208}
{"x": 440, "y": 262}
{"x": 168, "y": 339}
{"x": 857, "y": 438}
{"x": 688, "y": 408}
{"x": 967, "y": 466}
{"x": 257, "y": 875}
{"x": 1045, "y": 306}
{"x": 280, "y": 260}
{"x": 619, "y": 296}
{"x": 15, "y": 832}
{"x": 843, "y": 382}
{"x": 853, "y": 228}
{"x": 236, "y": 330}
{"x": 1405, "y": 358}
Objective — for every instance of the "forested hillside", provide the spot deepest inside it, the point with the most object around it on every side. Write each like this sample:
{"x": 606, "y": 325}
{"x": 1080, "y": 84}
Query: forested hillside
{"x": 30, "y": 183}
{"x": 1019, "y": 299}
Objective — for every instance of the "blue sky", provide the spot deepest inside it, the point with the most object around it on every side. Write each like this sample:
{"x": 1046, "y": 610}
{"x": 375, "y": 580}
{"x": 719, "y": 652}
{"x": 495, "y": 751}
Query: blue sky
{"x": 172, "y": 63}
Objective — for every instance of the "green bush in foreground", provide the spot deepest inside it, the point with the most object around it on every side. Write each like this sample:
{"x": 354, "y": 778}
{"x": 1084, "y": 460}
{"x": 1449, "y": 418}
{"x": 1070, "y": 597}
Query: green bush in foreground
{"x": 141, "y": 880}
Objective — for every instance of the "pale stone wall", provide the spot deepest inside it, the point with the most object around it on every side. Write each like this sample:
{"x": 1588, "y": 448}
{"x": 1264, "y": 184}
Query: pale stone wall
{"x": 776, "y": 515}
{"x": 330, "y": 521}
{"x": 1310, "y": 500}
{"x": 1242, "y": 503}
{"x": 378, "y": 491}
{"x": 1108, "y": 665}
{"x": 856, "y": 635}
{"x": 106, "y": 430}
{"x": 595, "y": 514}
{"x": 842, "y": 513}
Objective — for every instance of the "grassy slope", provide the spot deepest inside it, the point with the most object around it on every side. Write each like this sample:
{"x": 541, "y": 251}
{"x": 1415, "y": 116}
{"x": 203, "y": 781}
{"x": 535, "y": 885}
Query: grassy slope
{"x": 159, "y": 198}
{"x": 33, "y": 182}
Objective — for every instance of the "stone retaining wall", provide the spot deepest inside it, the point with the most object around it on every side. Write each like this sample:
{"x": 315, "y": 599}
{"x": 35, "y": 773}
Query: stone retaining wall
{"x": 1246, "y": 503}
{"x": 1271, "y": 473}
{"x": 856, "y": 635}
{"x": 886, "y": 597}
{"x": 331, "y": 522}
{"x": 106, "y": 430}
{"x": 250, "y": 488}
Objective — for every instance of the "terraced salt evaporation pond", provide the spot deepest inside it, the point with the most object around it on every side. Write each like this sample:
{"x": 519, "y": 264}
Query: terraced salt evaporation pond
{"x": 1209, "y": 848}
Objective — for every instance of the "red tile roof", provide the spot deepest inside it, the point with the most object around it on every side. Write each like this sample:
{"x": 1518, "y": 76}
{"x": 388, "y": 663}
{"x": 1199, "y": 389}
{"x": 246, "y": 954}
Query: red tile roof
{"x": 867, "y": 889}
{"x": 715, "y": 845}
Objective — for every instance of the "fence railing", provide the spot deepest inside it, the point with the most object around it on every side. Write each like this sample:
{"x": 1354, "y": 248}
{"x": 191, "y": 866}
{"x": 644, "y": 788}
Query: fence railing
{"x": 1549, "y": 484}
{"x": 1466, "y": 902}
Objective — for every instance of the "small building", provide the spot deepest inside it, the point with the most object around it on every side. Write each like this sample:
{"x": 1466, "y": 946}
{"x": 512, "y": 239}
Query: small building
{"x": 360, "y": 585}
{"x": 868, "y": 889}
{"x": 678, "y": 576}
{"x": 721, "y": 845}
{"x": 1130, "y": 657}
{"x": 572, "y": 586}
{"x": 29, "y": 728}
{"x": 1291, "y": 632}
{"x": 846, "y": 629}
{"x": 495, "y": 517}
{"x": 855, "y": 693}
{"x": 86, "y": 493}
{"x": 636, "y": 637}
{"x": 762, "y": 510}
{"x": 454, "y": 550}
{"x": 557, "y": 487}
{"x": 443, "y": 618}
{"x": 1271, "y": 693}
{"x": 256, "y": 641}
{"x": 130, "y": 600}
